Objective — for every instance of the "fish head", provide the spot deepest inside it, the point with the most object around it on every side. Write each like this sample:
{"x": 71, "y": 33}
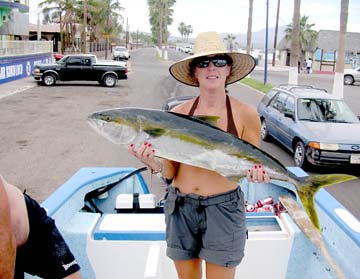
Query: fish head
{"x": 116, "y": 125}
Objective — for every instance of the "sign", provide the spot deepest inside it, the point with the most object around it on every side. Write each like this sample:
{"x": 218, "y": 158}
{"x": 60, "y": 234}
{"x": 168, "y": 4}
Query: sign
{"x": 16, "y": 67}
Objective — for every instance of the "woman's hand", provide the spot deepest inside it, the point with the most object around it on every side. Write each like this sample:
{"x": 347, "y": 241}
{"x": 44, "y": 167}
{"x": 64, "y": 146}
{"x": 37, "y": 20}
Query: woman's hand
{"x": 146, "y": 154}
{"x": 257, "y": 174}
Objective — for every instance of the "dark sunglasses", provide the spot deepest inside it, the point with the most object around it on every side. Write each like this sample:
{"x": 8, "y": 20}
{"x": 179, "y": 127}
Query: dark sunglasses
{"x": 218, "y": 61}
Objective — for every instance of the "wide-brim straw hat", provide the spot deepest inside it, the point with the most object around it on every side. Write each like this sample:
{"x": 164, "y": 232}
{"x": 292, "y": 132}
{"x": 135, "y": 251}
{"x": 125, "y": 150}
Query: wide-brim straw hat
{"x": 210, "y": 43}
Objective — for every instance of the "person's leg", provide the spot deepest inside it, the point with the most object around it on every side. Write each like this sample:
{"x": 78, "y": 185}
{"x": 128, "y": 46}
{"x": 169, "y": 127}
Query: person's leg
{"x": 75, "y": 275}
{"x": 189, "y": 269}
{"x": 214, "y": 271}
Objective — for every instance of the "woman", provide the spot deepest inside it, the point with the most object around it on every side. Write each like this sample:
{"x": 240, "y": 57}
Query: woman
{"x": 204, "y": 211}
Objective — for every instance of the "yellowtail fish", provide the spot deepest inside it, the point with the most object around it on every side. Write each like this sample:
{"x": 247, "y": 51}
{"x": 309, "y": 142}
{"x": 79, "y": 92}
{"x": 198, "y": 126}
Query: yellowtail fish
{"x": 191, "y": 141}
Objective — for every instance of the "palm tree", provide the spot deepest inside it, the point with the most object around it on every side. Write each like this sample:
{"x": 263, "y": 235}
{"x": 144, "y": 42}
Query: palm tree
{"x": 188, "y": 30}
{"x": 182, "y": 30}
{"x": 307, "y": 36}
{"x": 338, "y": 87}
{"x": 160, "y": 17}
{"x": 109, "y": 26}
{"x": 248, "y": 37}
{"x": 58, "y": 7}
{"x": 230, "y": 38}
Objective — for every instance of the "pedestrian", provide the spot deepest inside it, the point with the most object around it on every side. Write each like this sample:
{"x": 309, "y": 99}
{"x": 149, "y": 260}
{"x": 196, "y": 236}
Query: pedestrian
{"x": 299, "y": 67}
{"x": 309, "y": 66}
{"x": 33, "y": 237}
{"x": 204, "y": 211}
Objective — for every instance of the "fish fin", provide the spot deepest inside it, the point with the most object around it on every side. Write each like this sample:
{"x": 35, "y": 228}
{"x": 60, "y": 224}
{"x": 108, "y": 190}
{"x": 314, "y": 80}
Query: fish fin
{"x": 154, "y": 132}
{"x": 308, "y": 229}
{"x": 309, "y": 185}
{"x": 234, "y": 178}
{"x": 209, "y": 119}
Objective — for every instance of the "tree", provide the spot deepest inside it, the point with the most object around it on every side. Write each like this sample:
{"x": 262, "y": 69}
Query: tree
{"x": 338, "y": 87}
{"x": 182, "y": 30}
{"x": 307, "y": 36}
{"x": 160, "y": 12}
{"x": 230, "y": 38}
{"x": 248, "y": 37}
{"x": 295, "y": 44}
{"x": 188, "y": 31}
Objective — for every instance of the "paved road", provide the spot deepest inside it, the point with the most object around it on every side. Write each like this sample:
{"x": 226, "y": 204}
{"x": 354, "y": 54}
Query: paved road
{"x": 45, "y": 137}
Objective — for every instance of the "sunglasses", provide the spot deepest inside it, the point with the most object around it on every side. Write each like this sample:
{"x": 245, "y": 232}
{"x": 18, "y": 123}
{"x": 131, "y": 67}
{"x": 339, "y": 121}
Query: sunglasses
{"x": 218, "y": 61}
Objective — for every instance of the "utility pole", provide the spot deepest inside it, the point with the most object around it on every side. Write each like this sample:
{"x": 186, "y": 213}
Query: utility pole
{"x": 127, "y": 34}
{"x": 266, "y": 42}
{"x": 83, "y": 43}
{"x": 276, "y": 32}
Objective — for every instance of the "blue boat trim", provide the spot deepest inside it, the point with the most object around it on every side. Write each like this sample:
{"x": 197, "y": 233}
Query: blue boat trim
{"x": 328, "y": 203}
{"x": 81, "y": 179}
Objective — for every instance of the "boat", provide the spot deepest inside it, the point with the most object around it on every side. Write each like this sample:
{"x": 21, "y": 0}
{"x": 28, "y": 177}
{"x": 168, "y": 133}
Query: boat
{"x": 116, "y": 229}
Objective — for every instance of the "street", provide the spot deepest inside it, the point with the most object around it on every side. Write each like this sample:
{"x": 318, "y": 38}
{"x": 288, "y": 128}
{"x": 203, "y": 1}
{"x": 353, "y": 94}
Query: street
{"x": 45, "y": 137}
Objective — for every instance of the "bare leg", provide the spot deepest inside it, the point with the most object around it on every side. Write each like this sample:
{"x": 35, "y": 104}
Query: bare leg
{"x": 7, "y": 239}
{"x": 214, "y": 271}
{"x": 189, "y": 269}
{"x": 75, "y": 275}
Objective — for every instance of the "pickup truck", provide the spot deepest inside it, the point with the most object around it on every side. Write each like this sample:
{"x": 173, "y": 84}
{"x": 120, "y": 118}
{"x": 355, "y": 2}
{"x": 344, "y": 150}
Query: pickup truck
{"x": 81, "y": 67}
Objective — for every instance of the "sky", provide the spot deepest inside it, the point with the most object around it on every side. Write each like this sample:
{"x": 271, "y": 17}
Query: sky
{"x": 232, "y": 15}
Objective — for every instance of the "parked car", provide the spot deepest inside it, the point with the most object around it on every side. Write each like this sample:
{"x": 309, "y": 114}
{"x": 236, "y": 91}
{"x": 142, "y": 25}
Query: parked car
{"x": 58, "y": 56}
{"x": 317, "y": 128}
{"x": 120, "y": 53}
{"x": 81, "y": 67}
{"x": 174, "y": 101}
{"x": 351, "y": 76}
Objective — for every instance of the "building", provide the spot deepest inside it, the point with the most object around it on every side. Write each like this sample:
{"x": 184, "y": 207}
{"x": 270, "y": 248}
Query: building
{"x": 14, "y": 19}
{"x": 47, "y": 32}
{"x": 324, "y": 51}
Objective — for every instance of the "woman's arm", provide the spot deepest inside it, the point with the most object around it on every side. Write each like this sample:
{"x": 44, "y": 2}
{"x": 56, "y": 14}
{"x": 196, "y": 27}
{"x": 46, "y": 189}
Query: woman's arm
{"x": 7, "y": 239}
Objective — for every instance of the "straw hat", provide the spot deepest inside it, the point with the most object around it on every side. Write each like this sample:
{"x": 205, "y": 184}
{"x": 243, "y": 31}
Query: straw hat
{"x": 209, "y": 43}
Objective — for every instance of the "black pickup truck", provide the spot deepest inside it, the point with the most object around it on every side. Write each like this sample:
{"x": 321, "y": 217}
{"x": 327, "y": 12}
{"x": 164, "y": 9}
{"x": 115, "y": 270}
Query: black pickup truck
{"x": 81, "y": 67}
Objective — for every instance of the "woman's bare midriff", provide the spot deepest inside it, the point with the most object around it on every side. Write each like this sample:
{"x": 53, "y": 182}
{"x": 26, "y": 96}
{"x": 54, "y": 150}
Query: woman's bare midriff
{"x": 194, "y": 180}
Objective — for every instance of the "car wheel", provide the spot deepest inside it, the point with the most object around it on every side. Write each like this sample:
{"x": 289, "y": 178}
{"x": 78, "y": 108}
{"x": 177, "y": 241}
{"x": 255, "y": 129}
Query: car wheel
{"x": 300, "y": 155}
{"x": 348, "y": 80}
{"x": 265, "y": 136}
{"x": 109, "y": 80}
{"x": 49, "y": 79}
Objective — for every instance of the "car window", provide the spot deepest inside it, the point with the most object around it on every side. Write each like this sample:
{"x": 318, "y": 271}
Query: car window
{"x": 74, "y": 61}
{"x": 87, "y": 61}
{"x": 278, "y": 101}
{"x": 289, "y": 105}
{"x": 266, "y": 99}
{"x": 308, "y": 109}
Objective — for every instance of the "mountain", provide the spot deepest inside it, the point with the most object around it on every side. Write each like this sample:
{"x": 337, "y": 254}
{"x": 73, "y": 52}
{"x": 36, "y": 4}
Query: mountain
{"x": 258, "y": 38}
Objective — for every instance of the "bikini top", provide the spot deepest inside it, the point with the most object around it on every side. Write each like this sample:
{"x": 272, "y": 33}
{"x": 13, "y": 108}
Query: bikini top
{"x": 231, "y": 128}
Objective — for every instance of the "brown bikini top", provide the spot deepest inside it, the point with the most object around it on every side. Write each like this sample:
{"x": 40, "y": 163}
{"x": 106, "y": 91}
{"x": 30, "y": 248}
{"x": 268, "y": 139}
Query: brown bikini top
{"x": 231, "y": 128}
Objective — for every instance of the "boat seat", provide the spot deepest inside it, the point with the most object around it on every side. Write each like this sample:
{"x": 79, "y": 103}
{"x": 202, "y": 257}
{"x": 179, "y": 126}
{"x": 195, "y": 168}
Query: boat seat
{"x": 128, "y": 226}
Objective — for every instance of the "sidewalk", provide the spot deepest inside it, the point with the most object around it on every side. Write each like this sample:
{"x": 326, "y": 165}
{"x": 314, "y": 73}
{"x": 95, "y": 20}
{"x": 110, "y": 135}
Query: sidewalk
{"x": 286, "y": 69}
{"x": 16, "y": 86}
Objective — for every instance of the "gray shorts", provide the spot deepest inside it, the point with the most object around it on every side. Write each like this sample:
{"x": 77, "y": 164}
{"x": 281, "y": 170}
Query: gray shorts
{"x": 212, "y": 228}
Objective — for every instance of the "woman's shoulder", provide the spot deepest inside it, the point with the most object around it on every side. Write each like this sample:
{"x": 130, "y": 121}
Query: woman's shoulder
{"x": 242, "y": 108}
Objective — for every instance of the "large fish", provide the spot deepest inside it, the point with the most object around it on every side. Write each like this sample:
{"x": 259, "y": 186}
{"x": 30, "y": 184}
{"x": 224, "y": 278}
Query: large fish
{"x": 195, "y": 142}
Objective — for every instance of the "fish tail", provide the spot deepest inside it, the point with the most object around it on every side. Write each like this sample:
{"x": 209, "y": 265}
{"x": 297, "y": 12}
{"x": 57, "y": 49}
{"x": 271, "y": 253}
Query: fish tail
{"x": 308, "y": 186}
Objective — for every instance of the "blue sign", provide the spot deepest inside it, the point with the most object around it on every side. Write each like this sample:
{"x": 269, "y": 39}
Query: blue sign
{"x": 326, "y": 56}
{"x": 16, "y": 67}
